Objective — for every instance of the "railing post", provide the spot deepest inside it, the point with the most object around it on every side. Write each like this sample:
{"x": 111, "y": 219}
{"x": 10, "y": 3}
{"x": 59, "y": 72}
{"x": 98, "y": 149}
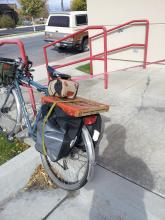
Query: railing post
{"x": 105, "y": 60}
{"x": 46, "y": 60}
{"x": 32, "y": 98}
{"x": 146, "y": 45}
{"x": 91, "y": 58}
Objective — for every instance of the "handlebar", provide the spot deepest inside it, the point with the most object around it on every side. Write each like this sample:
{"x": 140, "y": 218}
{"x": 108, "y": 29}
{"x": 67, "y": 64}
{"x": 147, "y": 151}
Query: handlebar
{"x": 54, "y": 74}
{"x": 20, "y": 45}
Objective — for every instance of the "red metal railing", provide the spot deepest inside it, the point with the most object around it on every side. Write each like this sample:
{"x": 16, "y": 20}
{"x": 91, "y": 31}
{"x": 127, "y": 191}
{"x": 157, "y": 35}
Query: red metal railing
{"x": 24, "y": 58}
{"x": 105, "y": 52}
{"x": 91, "y": 57}
{"x": 20, "y": 45}
{"x": 128, "y": 46}
{"x": 104, "y": 58}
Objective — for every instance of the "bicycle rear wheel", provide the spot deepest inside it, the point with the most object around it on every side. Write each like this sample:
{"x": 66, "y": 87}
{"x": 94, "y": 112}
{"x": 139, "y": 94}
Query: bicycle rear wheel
{"x": 73, "y": 171}
{"x": 10, "y": 111}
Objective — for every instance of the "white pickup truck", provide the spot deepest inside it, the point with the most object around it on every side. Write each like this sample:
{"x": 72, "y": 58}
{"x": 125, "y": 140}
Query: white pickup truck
{"x": 60, "y": 25}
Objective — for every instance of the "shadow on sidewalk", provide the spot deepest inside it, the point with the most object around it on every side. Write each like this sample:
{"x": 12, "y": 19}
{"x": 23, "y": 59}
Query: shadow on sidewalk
{"x": 116, "y": 159}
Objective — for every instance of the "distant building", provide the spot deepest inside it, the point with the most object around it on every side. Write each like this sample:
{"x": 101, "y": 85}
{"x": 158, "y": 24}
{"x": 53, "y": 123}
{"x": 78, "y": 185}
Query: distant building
{"x": 9, "y": 9}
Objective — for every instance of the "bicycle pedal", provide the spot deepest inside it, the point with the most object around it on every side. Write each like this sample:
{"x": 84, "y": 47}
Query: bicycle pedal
{"x": 5, "y": 110}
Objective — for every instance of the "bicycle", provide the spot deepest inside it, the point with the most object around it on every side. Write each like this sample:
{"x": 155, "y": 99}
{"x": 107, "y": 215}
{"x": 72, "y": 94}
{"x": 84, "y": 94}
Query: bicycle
{"x": 71, "y": 172}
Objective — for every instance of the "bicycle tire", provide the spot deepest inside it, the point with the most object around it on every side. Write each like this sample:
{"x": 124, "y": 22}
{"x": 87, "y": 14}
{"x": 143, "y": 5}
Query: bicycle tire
{"x": 10, "y": 111}
{"x": 88, "y": 174}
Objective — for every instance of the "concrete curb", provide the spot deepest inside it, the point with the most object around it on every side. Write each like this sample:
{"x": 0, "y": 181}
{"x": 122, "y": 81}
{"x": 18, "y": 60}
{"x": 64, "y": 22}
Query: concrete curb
{"x": 19, "y": 36}
{"x": 15, "y": 173}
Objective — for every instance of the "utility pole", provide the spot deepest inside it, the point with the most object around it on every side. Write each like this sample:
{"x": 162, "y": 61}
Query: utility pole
{"x": 62, "y": 5}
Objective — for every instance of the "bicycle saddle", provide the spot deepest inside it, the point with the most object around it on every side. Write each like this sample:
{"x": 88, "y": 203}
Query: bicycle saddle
{"x": 55, "y": 74}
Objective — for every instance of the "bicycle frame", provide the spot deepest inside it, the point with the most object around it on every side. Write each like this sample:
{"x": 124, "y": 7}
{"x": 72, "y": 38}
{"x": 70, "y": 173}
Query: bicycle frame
{"x": 29, "y": 83}
{"x": 24, "y": 78}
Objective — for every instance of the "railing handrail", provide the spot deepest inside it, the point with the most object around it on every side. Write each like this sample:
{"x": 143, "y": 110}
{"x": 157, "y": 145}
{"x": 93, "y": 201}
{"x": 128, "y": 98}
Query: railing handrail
{"x": 118, "y": 27}
{"x": 20, "y": 45}
{"x": 115, "y": 50}
{"x": 94, "y": 27}
{"x": 142, "y": 22}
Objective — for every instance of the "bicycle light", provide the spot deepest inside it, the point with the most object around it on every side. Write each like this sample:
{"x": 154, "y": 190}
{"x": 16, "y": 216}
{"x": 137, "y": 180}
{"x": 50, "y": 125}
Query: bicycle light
{"x": 89, "y": 120}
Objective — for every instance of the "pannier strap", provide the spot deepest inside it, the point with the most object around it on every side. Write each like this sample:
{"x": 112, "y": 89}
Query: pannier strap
{"x": 45, "y": 120}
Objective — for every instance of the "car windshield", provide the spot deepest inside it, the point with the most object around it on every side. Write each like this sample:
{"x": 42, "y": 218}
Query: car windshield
{"x": 59, "y": 21}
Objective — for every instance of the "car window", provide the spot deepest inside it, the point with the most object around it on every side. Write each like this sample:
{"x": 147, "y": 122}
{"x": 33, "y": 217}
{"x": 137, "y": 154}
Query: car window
{"x": 81, "y": 20}
{"x": 59, "y": 21}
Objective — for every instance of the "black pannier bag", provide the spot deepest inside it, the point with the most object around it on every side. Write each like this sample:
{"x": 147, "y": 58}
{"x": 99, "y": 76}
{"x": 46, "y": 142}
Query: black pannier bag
{"x": 61, "y": 133}
{"x": 7, "y": 71}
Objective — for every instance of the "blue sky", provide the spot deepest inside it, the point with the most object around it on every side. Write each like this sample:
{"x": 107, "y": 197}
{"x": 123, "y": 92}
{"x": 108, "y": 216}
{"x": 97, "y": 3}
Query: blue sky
{"x": 54, "y": 5}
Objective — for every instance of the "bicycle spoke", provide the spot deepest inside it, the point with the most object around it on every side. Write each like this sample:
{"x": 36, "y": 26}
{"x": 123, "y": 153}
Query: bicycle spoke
{"x": 70, "y": 168}
{"x": 8, "y": 111}
{"x": 71, "y": 171}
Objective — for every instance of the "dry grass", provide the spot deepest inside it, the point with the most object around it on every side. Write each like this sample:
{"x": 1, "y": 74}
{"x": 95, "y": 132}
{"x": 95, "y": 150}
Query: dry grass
{"x": 39, "y": 180}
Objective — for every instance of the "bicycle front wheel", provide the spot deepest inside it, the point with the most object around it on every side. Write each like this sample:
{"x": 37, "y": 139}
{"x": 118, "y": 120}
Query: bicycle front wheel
{"x": 73, "y": 171}
{"x": 10, "y": 111}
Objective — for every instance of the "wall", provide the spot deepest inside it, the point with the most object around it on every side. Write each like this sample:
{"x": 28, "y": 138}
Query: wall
{"x": 114, "y": 12}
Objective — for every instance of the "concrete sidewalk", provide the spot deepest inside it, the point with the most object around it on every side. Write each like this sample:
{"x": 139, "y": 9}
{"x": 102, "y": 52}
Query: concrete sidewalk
{"x": 34, "y": 205}
{"x": 132, "y": 148}
{"x": 133, "y": 130}
{"x": 108, "y": 197}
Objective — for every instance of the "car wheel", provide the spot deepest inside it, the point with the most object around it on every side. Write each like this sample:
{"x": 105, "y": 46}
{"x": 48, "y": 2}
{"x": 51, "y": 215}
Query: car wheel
{"x": 84, "y": 45}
